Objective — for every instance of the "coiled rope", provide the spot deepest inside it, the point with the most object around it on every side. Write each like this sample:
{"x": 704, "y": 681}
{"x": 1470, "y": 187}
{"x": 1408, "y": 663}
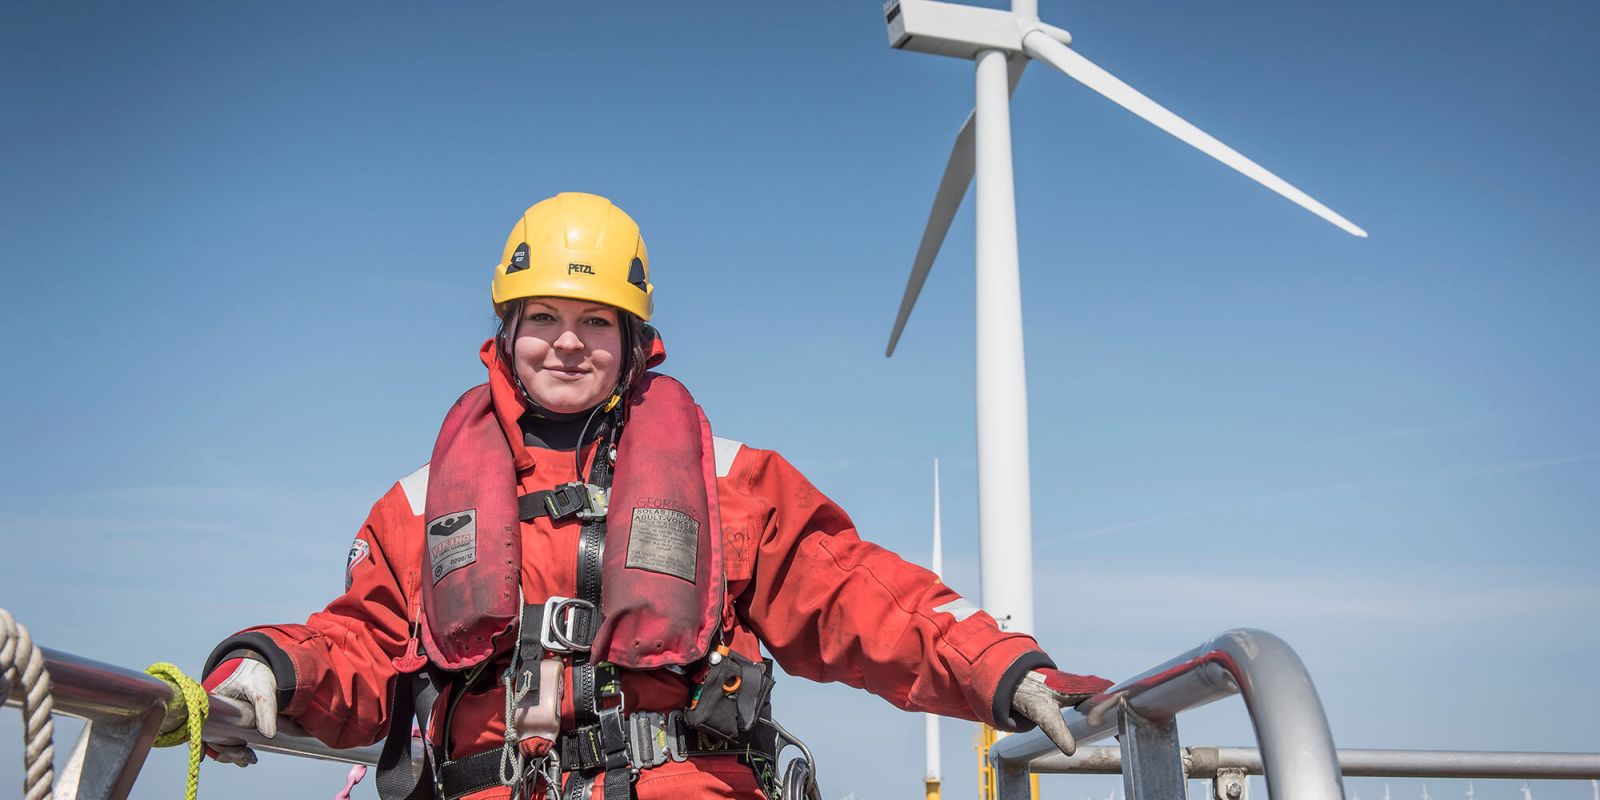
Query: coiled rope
{"x": 22, "y": 664}
{"x": 192, "y": 696}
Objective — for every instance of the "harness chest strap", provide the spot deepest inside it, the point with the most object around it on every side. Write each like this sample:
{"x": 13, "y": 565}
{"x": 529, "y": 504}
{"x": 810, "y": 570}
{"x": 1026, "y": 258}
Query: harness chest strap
{"x": 653, "y": 739}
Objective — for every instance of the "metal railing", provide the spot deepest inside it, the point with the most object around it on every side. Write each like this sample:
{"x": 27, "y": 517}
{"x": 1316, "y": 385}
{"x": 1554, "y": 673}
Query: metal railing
{"x": 1209, "y": 762}
{"x": 124, "y": 708}
{"x": 1297, "y": 750}
{"x": 1296, "y": 753}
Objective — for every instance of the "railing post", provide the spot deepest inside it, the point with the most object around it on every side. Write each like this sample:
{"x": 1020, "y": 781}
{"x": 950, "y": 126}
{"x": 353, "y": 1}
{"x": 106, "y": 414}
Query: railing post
{"x": 1230, "y": 784}
{"x": 1011, "y": 780}
{"x": 1152, "y": 763}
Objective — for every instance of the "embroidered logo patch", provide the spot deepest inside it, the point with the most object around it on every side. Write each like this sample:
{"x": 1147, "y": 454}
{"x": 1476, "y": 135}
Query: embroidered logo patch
{"x": 452, "y": 542}
{"x": 358, "y": 553}
{"x": 664, "y": 540}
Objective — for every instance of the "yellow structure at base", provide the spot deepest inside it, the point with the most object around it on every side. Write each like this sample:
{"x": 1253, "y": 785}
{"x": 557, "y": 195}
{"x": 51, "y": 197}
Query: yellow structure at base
{"x": 931, "y": 789}
{"x": 987, "y": 790}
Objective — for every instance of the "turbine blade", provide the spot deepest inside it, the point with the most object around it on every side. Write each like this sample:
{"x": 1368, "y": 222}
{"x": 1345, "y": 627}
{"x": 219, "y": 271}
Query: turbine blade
{"x": 1084, "y": 71}
{"x": 952, "y": 187}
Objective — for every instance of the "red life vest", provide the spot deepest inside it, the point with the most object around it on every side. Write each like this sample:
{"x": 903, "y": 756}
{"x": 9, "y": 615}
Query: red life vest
{"x": 661, "y": 573}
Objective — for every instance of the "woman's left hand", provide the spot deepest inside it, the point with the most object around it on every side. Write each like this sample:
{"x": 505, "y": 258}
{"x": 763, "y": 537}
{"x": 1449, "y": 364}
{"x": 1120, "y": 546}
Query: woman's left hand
{"x": 1044, "y": 692}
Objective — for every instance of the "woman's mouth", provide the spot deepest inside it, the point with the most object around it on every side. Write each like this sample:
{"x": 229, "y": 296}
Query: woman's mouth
{"x": 566, "y": 373}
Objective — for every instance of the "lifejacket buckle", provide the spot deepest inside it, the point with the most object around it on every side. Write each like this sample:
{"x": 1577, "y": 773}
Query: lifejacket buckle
{"x": 566, "y": 628}
{"x": 585, "y": 500}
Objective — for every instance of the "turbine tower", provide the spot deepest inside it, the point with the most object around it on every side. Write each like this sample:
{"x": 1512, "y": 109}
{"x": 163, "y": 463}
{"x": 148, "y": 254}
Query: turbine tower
{"x": 931, "y": 721}
{"x": 1002, "y": 43}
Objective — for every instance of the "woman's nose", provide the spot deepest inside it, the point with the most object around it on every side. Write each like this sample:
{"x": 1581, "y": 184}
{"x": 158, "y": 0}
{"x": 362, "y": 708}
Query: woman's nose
{"x": 569, "y": 342}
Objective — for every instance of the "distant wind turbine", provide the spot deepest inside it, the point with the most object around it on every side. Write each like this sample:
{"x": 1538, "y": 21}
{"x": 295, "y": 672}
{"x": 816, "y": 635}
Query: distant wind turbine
{"x": 1469, "y": 790}
{"x": 1527, "y": 791}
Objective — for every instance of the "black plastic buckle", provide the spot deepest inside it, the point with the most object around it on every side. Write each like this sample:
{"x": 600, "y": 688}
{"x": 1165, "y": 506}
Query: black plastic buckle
{"x": 566, "y": 500}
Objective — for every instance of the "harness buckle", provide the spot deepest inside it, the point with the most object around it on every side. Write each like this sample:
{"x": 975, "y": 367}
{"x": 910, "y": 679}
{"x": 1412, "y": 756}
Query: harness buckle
{"x": 676, "y": 735}
{"x": 586, "y": 500}
{"x": 647, "y": 739}
{"x": 565, "y": 629}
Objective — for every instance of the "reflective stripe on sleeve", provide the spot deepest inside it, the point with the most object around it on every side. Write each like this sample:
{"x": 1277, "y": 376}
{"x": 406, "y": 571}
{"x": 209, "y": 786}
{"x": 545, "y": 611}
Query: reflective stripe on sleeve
{"x": 960, "y": 608}
{"x": 415, "y": 486}
{"x": 724, "y": 450}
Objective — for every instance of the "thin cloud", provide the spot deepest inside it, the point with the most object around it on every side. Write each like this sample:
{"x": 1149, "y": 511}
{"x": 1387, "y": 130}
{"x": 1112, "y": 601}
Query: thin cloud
{"x": 1375, "y": 436}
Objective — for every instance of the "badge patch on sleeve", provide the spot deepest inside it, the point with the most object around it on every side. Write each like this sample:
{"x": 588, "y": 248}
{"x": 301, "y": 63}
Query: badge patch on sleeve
{"x": 359, "y": 549}
{"x": 665, "y": 541}
{"x": 452, "y": 542}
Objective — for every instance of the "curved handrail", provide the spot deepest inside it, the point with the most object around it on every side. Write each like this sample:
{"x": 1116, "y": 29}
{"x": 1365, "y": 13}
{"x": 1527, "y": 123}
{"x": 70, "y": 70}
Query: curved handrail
{"x": 125, "y": 707}
{"x": 1296, "y": 744}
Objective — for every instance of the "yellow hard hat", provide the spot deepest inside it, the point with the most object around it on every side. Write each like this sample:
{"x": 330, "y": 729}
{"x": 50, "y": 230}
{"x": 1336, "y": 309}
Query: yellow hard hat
{"x": 578, "y": 246}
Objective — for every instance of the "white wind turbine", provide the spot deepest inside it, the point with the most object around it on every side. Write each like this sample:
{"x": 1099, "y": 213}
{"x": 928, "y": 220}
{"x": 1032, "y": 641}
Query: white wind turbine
{"x": 1002, "y": 43}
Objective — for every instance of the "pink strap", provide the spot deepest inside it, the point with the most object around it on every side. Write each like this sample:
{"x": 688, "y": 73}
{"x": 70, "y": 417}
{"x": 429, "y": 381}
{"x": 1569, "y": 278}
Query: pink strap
{"x": 357, "y": 772}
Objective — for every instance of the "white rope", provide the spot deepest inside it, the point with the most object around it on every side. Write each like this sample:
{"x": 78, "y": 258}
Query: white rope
{"x": 22, "y": 665}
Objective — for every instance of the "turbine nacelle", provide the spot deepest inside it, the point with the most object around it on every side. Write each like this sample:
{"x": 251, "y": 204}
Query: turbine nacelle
{"x": 950, "y": 29}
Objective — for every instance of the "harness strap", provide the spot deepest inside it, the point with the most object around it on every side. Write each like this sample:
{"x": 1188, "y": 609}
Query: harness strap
{"x": 652, "y": 739}
{"x": 416, "y": 697}
{"x": 592, "y": 683}
{"x": 532, "y": 505}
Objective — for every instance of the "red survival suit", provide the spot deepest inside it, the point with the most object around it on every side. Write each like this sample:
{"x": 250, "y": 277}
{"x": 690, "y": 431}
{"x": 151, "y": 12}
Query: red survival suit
{"x": 825, "y": 604}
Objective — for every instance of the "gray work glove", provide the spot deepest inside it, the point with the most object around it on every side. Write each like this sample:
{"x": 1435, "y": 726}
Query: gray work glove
{"x": 252, "y": 683}
{"x": 1044, "y": 692}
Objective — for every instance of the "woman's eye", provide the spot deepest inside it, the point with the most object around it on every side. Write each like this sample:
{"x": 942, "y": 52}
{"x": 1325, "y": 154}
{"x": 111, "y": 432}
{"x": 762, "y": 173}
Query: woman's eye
{"x": 598, "y": 322}
{"x": 541, "y": 318}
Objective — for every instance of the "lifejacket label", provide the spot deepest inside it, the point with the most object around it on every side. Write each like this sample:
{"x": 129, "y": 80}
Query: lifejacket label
{"x": 664, "y": 540}
{"x": 452, "y": 542}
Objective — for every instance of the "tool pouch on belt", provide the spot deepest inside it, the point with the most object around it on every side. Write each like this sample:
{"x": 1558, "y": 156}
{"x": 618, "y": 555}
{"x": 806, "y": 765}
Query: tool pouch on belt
{"x": 728, "y": 703}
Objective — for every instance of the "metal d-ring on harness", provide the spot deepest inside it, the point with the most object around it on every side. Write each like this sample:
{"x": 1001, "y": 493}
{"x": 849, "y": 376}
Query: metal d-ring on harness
{"x": 800, "y": 777}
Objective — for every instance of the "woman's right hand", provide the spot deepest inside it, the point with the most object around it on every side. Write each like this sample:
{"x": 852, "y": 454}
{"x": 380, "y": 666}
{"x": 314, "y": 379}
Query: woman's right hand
{"x": 250, "y": 681}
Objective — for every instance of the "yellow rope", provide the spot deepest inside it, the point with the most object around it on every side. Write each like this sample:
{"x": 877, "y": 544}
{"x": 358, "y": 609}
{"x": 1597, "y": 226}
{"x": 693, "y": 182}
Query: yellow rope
{"x": 197, "y": 704}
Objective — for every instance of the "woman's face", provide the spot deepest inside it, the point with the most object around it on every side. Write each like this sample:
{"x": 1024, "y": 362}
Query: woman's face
{"x": 568, "y": 353}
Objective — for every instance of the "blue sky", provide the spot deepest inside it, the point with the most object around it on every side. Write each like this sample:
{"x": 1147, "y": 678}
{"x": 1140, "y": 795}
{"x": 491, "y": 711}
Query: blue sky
{"x": 247, "y": 253}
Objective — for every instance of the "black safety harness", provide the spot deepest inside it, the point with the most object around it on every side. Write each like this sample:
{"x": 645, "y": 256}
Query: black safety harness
{"x": 607, "y": 745}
